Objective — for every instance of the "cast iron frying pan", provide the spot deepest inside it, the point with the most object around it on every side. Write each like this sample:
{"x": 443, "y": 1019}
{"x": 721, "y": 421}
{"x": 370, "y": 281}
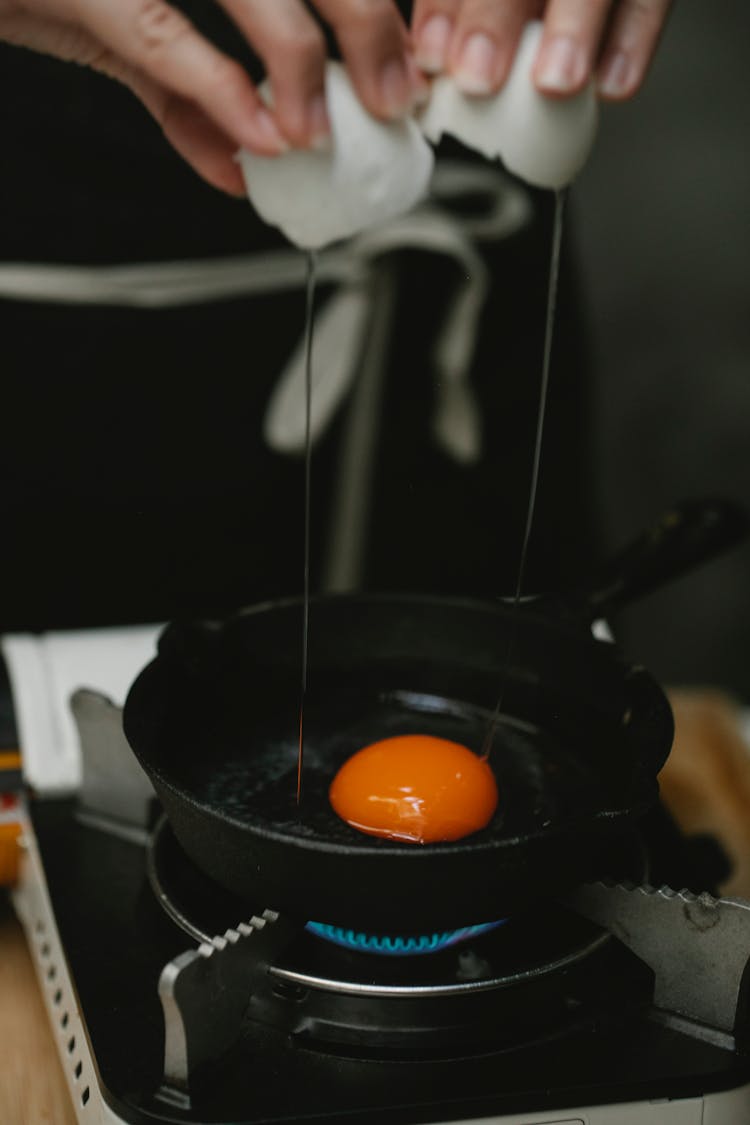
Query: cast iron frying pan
{"x": 213, "y": 721}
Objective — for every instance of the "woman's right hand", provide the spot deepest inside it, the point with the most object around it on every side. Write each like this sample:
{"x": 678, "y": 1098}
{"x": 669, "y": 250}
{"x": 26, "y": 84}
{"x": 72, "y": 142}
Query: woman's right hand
{"x": 476, "y": 40}
{"x": 204, "y": 101}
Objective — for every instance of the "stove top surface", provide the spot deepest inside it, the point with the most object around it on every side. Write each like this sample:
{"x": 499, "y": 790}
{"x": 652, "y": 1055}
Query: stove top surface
{"x": 581, "y": 1036}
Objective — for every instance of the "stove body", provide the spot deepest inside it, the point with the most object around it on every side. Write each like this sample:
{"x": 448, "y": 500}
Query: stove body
{"x": 249, "y": 1019}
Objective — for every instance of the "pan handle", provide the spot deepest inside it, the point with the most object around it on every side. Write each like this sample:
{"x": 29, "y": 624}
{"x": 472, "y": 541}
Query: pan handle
{"x": 686, "y": 536}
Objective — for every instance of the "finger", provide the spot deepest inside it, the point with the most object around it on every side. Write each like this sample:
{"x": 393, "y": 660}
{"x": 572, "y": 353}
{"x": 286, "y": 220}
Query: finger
{"x": 630, "y": 46}
{"x": 433, "y": 23}
{"x": 485, "y": 41}
{"x": 50, "y": 37}
{"x": 570, "y": 45}
{"x": 203, "y": 145}
{"x": 375, "y": 44}
{"x": 159, "y": 41}
{"x": 293, "y": 48}
{"x": 208, "y": 150}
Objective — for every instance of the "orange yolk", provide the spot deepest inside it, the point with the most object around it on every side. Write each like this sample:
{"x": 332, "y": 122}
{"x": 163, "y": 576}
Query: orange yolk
{"x": 415, "y": 788}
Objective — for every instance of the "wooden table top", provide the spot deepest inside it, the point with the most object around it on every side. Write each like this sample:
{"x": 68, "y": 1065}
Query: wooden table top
{"x": 33, "y": 1090}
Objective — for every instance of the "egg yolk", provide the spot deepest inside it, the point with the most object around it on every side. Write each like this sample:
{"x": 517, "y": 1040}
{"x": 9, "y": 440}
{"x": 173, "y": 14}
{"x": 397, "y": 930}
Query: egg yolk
{"x": 415, "y": 788}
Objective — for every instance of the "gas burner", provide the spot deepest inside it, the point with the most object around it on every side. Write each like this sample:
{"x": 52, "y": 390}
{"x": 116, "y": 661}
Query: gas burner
{"x": 536, "y": 976}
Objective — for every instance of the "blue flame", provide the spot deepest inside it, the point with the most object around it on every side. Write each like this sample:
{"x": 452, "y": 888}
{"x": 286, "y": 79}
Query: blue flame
{"x": 399, "y": 946}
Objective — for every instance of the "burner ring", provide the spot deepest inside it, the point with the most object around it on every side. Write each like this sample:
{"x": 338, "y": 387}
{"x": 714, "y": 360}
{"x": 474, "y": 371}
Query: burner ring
{"x": 462, "y": 988}
{"x": 155, "y": 871}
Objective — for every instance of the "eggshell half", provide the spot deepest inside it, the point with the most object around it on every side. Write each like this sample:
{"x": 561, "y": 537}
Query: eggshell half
{"x": 373, "y": 171}
{"x": 544, "y": 140}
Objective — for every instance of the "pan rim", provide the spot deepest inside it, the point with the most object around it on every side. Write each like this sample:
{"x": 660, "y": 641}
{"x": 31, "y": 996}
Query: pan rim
{"x": 361, "y": 845}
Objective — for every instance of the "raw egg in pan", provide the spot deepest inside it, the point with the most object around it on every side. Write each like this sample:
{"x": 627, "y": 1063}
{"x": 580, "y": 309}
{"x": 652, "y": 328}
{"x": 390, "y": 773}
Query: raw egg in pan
{"x": 415, "y": 788}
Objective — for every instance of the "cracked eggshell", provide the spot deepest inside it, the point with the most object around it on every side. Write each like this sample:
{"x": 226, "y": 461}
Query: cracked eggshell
{"x": 373, "y": 171}
{"x": 543, "y": 140}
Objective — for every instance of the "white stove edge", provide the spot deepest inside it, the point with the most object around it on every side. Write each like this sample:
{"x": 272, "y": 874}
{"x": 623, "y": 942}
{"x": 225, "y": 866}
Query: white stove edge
{"x": 34, "y": 909}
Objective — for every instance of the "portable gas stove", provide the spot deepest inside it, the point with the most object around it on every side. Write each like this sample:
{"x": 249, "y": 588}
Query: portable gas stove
{"x": 172, "y": 1001}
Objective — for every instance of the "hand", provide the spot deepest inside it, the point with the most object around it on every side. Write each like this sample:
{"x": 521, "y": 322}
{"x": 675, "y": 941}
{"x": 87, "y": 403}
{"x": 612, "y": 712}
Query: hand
{"x": 203, "y": 100}
{"x": 476, "y": 40}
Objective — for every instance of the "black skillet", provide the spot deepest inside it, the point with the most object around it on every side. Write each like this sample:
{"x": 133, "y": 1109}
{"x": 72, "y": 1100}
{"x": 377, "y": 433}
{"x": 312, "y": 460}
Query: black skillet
{"x": 213, "y": 721}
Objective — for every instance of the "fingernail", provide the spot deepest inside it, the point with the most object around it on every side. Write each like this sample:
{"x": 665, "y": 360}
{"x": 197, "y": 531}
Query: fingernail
{"x": 617, "y": 77}
{"x": 319, "y": 124}
{"x": 432, "y": 44}
{"x": 420, "y": 87}
{"x": 266, "y": 132}
{"x": 476, "y": 65}
{"x": 396, "y": 89}
{"x": 562, "y": 66}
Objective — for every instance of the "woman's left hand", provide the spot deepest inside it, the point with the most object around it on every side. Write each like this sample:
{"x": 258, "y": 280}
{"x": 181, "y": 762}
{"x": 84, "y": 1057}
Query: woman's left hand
{"x": 476, "y": 40}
